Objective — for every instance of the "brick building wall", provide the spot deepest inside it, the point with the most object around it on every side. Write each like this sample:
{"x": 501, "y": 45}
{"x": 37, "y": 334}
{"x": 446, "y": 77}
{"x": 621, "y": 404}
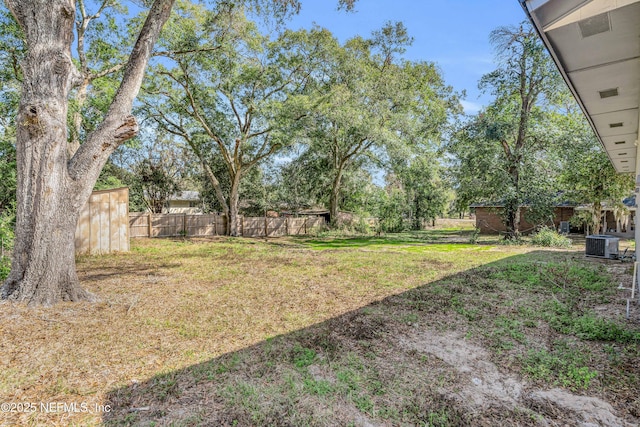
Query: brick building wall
{"x": 489, "y": 221}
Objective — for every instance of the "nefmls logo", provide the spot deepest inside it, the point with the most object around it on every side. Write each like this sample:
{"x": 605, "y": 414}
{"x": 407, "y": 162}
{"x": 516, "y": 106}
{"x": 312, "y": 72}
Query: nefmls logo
{"x": 74, "y": 407}
{"x": 56, "y": 407}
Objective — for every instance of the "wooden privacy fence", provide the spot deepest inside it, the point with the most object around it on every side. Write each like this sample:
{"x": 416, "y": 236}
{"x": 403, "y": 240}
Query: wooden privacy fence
{"x": 172, "y": 225}
{"x": 275, "y": 227}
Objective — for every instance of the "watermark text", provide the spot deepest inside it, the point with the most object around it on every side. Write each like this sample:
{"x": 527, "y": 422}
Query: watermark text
{"x": 54, "y": 407}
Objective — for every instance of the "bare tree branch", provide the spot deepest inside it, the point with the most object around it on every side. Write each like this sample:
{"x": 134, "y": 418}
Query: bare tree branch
{"x": 173, "y": 53}
{"x": 108, "y": 136}
{"x": 106, "y": 71}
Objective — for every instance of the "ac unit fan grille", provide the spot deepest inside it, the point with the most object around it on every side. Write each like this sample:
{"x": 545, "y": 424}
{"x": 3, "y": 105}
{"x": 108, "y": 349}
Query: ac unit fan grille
{"x": 596, "y": 247}
{"x": 602, "y": 246}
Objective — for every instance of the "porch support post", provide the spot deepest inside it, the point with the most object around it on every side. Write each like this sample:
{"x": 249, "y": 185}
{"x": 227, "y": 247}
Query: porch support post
{"x": 636, "y": 222}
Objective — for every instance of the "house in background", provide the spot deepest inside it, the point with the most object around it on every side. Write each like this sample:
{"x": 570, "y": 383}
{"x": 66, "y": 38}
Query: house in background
{"x": 620, "y": 222}
{"x": 616, "y": 220}
{"x": 185, "y": 202}
{"x": 489, "y": 218}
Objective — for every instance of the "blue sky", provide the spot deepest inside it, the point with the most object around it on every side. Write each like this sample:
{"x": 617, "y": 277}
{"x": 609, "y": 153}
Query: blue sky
{"x": 452, "y": 33}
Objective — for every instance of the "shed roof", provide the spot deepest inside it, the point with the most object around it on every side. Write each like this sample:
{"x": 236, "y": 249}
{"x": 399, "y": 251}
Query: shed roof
{"x": 500, "y": 204}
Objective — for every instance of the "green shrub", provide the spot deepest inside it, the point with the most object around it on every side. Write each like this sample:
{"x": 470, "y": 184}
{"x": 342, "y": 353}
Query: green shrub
{"x": 5, "y": 266}
{"x": 550, "y": 238}
{"x": 473, "y": 239}
{"x": 7, "y": 224}
{"x": 511, "y": 241}
{"x": 361, "y": 226}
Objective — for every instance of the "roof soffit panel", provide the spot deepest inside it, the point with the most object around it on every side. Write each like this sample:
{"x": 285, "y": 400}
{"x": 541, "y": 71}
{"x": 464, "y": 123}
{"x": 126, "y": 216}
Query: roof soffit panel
{"x": 589, "y": 10}
{"x": 551, "y": 11}
{"x": 607, "y": 59}
{"x": 628, "y": 118}
{"x": 619, "y": 44}
{"x": 622, "y": 76}
{"x": 619, "y": 142}
{"x": 624, "y": 165}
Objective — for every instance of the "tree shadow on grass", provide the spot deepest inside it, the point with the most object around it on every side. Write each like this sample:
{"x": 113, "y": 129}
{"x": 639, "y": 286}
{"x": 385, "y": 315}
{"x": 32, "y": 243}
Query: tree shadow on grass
{"x": 371, "y": 366}
{"x": 361, "y": 242}
{"x": 356, "y": 242}
{"x": 103, "y": 273}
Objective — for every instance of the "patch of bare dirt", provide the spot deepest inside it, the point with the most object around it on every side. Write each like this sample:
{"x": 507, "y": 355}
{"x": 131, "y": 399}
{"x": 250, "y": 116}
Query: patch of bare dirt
{"x": 486, "y": 386}
{"x": 485, "y": 382}
{"x": 590, "y": 411}
{"x": 622, "y": 274}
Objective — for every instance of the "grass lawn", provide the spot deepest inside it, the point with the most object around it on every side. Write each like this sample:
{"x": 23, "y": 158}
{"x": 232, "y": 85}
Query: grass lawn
{"x": 412, "y": 329}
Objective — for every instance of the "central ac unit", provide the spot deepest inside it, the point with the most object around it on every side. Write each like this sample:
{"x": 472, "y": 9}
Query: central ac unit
{"x": 602, "y": 246}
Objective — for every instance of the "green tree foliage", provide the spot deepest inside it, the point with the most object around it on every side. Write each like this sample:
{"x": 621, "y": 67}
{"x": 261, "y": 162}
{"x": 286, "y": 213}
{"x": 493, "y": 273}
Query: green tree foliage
{"x": 103, "y": 37}
{"x": 7, "y": 224}
{"x": 8, "y": 173}
{"x": 256, "y": 194}
{"x": 306, "y": 181}
{"x": 101, "y": 45}
{"x": 238, "y": 96}
{"x": 155, "y": 184}
{"x": 391, "y": 215}
{"x": 359, "y": 193}
{"x": 427, "y": 194}
{"x": 161, "y": 167}
{"x": 500, "y": 155}
{"x": 588, "y": 176}
{"x": 367, "y": 99}
{"x": 111, "y": 177}
{"x": 11, "y": 51}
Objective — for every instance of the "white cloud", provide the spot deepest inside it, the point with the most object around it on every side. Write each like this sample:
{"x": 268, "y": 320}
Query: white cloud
{"x": 470, "y": 107}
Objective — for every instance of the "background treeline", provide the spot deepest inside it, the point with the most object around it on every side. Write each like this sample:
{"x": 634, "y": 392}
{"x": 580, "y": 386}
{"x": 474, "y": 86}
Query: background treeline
{"x": 283, "y": 120}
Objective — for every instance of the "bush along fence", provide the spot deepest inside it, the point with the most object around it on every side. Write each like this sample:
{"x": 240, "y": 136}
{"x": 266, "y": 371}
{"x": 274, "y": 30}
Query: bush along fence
{"x": 5, "y": 259}
{"x": 189, "y": 225}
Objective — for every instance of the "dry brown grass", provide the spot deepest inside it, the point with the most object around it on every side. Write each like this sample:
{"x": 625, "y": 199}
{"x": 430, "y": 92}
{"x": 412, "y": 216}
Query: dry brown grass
{"x": 176, "y": 306}
{"x": 172, "y": 303}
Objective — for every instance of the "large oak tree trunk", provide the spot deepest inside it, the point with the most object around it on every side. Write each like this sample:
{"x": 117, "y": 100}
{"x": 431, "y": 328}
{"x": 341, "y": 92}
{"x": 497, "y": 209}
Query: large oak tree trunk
{"x": 234, "y": 198}
{"x": 213, "y": 180}
{"x": 335, "y": 197}
{"x": 51, "y": 187}
{"x": 43, "y": 270}
{"x": 512, "y": 206}
{"x": 596, "y": 214}
{"x": 43, "y": 267}
{"x": 514, "y": 214}
{"x": 516, "y": 222}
